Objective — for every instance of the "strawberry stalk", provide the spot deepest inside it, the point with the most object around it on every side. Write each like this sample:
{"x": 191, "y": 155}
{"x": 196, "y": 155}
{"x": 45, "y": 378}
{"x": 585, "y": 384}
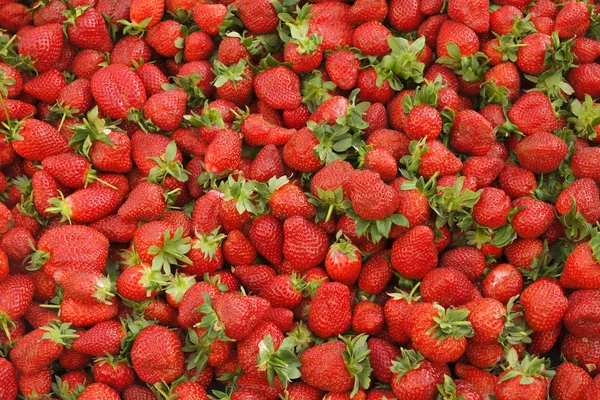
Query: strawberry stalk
{"x": 357, "y": 361}
{"x": 451, "y": 322}
{"x": 408, "y": 361}
{"x": 282, "y": 362}
{"x": 172, "y": 252}
{"x": 527, "y": 369}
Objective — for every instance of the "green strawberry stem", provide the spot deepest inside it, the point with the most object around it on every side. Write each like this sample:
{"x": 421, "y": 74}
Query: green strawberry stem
{"x": 357, "y": 361}
{"x": 283, "y": 362}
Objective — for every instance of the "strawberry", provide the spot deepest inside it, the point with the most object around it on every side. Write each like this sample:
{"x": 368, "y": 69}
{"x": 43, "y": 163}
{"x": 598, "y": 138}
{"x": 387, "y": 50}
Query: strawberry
{"x": 44, "y": 44}
{"x": 156, "y": 355}
{"x": 114, "y": 373}
{"x": 331, "y": 22}
{"x": 435, "y": 284}
{"x": 289, "y": 200}
{"x": 516, "y": 181}
{"x": 583, "y": 196}
{"x": 82, "y": 314}
{"x": 572, "y": 20}
{"x": 278, "y": 87}
{"x": 104, "y": 338}
{"x": 413, "y": 375}
{"x": 143, "y": 15}
{"x": 542, "y": 119}
{"x": 569, "y": 382}
{"x": 85, "y": 286}
{"x": 224, "y": 152}
{"x": 368, "y": 318}
{"x": 237, "y": 249}
{"x": 337, "y": 366}
{"x": 414, "y": 253}
{"x": 330, "y": 296}
{"x": 87, "y": 205}
{"x": 239, "y": 315}
{"x": 343, "y": 262}
{"x": 117, "y": 90}
{"x": 71, "y": 248}
{"x": 492, "y": 209}
{"x": 584, "y": 80}
{"x": 423, "y": 121}
{"x": 36, "y": 140}
{"x": 9, "y": 381}
{"x": 510, "y": 383}
{"x": 461, "y": 35}
{"x": 375, "y": 274}
{"x": 99, "y": 391}
{"x": 584, "y": 350}
{"x": 473, "y": 14}
{"x": 166, "y": 109}
{"x": 190, "y": 391}
{"x": 46, "y": 86}
{"x": 580, "y": 318}
{"x": 408, "y": 20}
{"x": 371, "y": 39}
{"x": 234, "y": 83}
{"x": 283, "y": 291}
{"x": 41, "y": 347}
{"x": 260, "y": 17}
{"x": 433, "y": 157}
{"x": 544, "y": 304}
{"x": 267, "y": 164}
{"x": 304, "y": 244}
{"x": 342, "y": 67}
{"x": 88, "y": 30}
{"x": 298, "y": 152}
{"x": 534, "y": 218}
{"x": 146, "y": 202}
{"x": 210, "y": 17}
{"x": 471, "y": 133}
{"x": 20, "y": 290}
{"x": 32, "y": 384}
{"x": 266, "y": 235}
{"x": 377, "y": 204}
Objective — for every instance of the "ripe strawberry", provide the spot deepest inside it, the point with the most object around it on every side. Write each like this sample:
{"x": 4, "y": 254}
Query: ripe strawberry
{"x": 413, "y": 375}
{"x": 85, "y": 286}
{"x": 342, "y": 67}
{"x": 407, "y": 20}
{"x": 570, "y": 382}
{"x": 325, "y": 367}
{"x": 304, "y": 243}
{"x": 471, "y": 133}
{"x": 379, "y": 202}
{"x": 266, "y": 235}
{"x": 533, "y": 113}
{"x": 99, "y": 391}
{"x": 583, "y": 350}
{"x": 414, "y": 253}
{"x": 87, "y": 205}
{"x": 209, "y": 17}
{"x": 239, "y": 315}
{"x": 492, "y": 208}
{"x": 288, "y": 200}
{"x": 156, "y": 355}
{"x": 278, "y": 87}
{"x": 459, "y": 34}
{"x": 330, "y": 313}
{"x": 572, "y": 20}
{"x": 115, "y": 373}
{"x": 83, "y": 314}
{"x": 99, "y": 340}
{"x": 423, "y": 121}
{"x": 581, "y": 317}
{"x": 44, "y": 44}
{"x": 41, "y": 347}
{"x": 368, "y": 318}
{"x": 584, "y": 193}
{"x": 510, "y": 386}
{"x": 283, "y": 291}
{"x": 117, "y": 90}
{"x": 533, "y": 219}
{"x": 166, "y": 109}
{"x": 543, "y": 342}
{"x": 516, "y": 181}
{"x": 584, "y": 80}
{"x": 298, "y": 152}
{"x": 343, "y": 262}
{"x": 8, "y": 378}
{"x": 19, "y": 290}
{"x": 36, "y": 140}
{"x": 89, "y": 31}
{"x": 544, "y": 304}
{"x": 435, "y": 285}
{"x": 46, "y": 86}
{"x": 474, "y": 14}
{"x": 224, "y": 152}
{"x": 331, "y": 21}
{"x": 71, "y": 248}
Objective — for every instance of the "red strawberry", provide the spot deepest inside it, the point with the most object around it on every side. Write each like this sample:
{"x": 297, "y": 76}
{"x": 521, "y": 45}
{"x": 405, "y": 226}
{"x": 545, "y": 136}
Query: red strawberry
{"x": 572, "y": 20}
{"x": 414, "y": 253}
{"x": 544, "y": 304}
{"x": 8, "y": 378}
{"x": 85, "y": 286}
{"x": 435, "y": 285}
{"x": 533, "y": 219}
{"x": 114, "y": 373}
{"x": 304, "y": 243}
{"x": 260, "y": 17}
{"x": 104, "y": 338}
{"x": 36, "y": 140}
{"x": 342, "y": 67}
{"x": 343, "y": 262}
{"x": 586, "y": 196}
{"x": 146, "y": 202}
{"x": 71, "y": 248}
{"x": 44, "y": 44}
{"x": 533, "y": 113}
{"x": 415, "y": 376}
{"x": 329, "y": 313}
{"x": 166, "y": 109}
{"x": 224, "y": 152}
{"x": 46, "y": 86}
{"x": 405, "y": 15}
{"x": 459, "y": 34}
{"x": 509, "y": 384}
{"x": 368, "y": 318}
{"x": 325, "y": 367}
{"x": 266, "y": 235}
{"x": 89, "y": 31}
{"x": 87, "y": 205}
{"x": 584, "y": 80}
{"x": 99, "y": 391}
{"x": 471, "y": 133}
{"x": 156, "y": 355}
{"x": 431, "y": 337}
{"x": 118, "y": 90}
{"x": 19, "y": 290}
{"x": 278, "y": 87}
{"x": 331, "y": 22}
{"x": 375, "y": 274}
{"x": 81, "y": 314}
{"x": 209, "y": 17}
{"x": 473, "y": 14}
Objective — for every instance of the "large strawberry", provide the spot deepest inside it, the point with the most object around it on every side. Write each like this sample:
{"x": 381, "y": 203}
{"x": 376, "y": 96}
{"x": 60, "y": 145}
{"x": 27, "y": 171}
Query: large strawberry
{"x": 278, "y": 87}
{"x": 118, "y": 90}
{"x": 525, "y": 378}
{"x": 44, "y": 44}
{"x": 330, "y": 312}
{"x": 156, "y": 355}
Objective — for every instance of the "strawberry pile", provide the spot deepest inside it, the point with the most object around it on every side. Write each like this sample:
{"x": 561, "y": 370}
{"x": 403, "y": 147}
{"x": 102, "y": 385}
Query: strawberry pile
{"x": 304, "y": 200}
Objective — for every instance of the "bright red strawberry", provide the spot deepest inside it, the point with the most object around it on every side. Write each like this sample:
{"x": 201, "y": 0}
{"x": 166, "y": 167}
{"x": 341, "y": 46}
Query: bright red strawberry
{"x": 278, "y": 87}
{"x": 224, "y": 152}
{"x": 99, "y": 391}
{"x": 544, "y": 304}
{"x": 104, "y": 338}
{"x": 44, "y": 45}
{"x": 414, "y": 253}
{"x": 570, "y": 382}
{"x": 415, "y": 376}
{"x": 266, "y": 235}
{"x": 304, "y": 243}
{"x": 343, "y": 262}
{"x": 533, "y": 113}
{"x": 586, "y": 196}
{"x": 118, "y": 90}
{"x": 509, "y": 384}
{"x": 156, "y": 355}
{"x": 572, "y": 20}
{"x": 89, "y": 31}
{"x": 166, "y": 109}
{"x": 329, "y": 313}
{"x": 436, "y": 283}
{"x": 471, "y": 134}
{"x": 534, "y": 218}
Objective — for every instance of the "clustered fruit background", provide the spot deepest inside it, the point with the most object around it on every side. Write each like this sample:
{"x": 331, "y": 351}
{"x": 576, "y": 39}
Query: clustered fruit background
{"x": 258, "y": 199}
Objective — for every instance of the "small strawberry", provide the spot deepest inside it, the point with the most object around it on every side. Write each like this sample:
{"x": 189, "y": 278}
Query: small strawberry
{"x": 278, "y": 87}
{"x": 523, "y": 378}
{"x": 304, "y": 243}
{"x": 99, "y": 391}
{"x": 544, "y": 304}
{"x": 414, "y": 253}
{"x": 435, "y": 285}
{"x": 343, "y": 262}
